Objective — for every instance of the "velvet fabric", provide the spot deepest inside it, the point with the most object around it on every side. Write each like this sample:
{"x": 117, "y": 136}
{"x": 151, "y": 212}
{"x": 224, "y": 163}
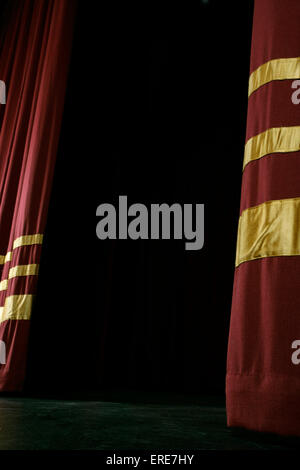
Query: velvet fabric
{"x": 35, "y": 52}
{"x": 263, "y": 372}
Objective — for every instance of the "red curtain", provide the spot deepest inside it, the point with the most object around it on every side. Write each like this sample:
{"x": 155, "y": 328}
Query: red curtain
{"x": 263, "y": 370}
{"x": 34, "y": 63}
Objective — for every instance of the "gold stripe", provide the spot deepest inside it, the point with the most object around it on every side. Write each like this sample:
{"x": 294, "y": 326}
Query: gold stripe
{"x": 274, "y": 140}
{"x": 276, "y": 69}
{"x": 36, "y": 239}
{"x": 8, "y": 257}
{"x": 270, "y": 229}
{"x": 5, "y": 258}
{"x": 16, "y": 307}
{"x": 3, "y": 285}
{"x": 23, "y": 270}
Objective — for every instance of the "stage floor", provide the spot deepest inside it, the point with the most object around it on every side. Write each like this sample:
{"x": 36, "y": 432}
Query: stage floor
{"x": 52, "y": 424}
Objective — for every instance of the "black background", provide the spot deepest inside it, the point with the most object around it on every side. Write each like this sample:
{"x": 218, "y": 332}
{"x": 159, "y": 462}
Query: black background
{"x": 155, "y": 110}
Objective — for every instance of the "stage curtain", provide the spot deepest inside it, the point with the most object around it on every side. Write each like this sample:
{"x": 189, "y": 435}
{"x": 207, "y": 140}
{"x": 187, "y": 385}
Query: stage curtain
{"x": 35, "y": 53}
{"x": 263, "y": 365}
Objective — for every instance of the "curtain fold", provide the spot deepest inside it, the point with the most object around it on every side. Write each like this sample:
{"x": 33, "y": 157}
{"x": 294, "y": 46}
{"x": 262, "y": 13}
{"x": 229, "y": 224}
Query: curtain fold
{"x": 263, "y": 365}
{"x": 34, "y": 64}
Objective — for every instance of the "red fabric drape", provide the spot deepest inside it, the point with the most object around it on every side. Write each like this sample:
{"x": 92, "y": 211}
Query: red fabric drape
{"x": 263, "y": 381}
{"x": 34, "y": 64}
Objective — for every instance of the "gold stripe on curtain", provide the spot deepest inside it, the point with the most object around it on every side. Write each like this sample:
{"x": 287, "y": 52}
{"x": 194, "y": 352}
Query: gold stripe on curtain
{"x": 5, "y": 258}
{"x": 3, "y": 285}
{"x": 16, "y": 307}
{"x": 36, "y": 239}
{"x": 20, "y": 270}
{"x": 25, "y": 240}
{"x": 23, "y": 270}
{"x": 276, "y": 139}
{"x": 276, "y": 69}
{"x": 269, "y": 229}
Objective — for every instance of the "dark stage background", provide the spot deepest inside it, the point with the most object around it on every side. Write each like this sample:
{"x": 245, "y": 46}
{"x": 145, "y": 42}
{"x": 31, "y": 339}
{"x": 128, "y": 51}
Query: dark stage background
{"x": 155, "y": 110}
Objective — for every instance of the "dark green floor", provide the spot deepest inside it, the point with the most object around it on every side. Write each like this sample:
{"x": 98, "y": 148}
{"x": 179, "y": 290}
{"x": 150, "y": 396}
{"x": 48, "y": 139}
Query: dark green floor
{"x": 38, "y": 424}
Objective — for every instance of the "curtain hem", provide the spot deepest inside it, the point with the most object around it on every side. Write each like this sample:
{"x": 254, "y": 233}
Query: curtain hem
{"x": 265, "y": 403}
